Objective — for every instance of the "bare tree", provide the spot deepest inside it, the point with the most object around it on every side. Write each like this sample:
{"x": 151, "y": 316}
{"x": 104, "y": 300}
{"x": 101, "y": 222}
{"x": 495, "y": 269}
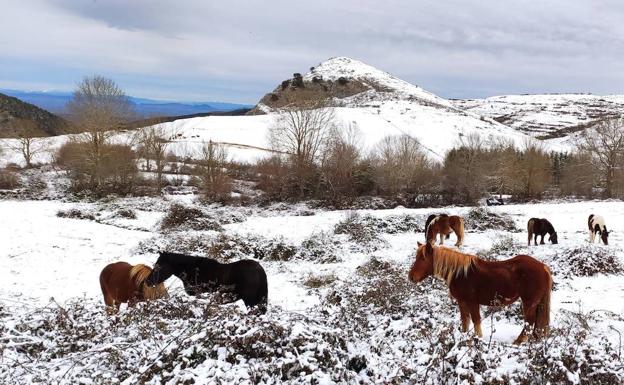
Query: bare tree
{"x": 99, "y": 107}
{"x": 340, "y": 163}
{"x": 152, "y": 144}
{"x": 302, "y": 133}
{"x": 534, "y": 170}
{"x": 28, "y": 143}
{"x": 604, "y": 142}
{"x": 401, "y": 165}
{"x": 215, "y": 181}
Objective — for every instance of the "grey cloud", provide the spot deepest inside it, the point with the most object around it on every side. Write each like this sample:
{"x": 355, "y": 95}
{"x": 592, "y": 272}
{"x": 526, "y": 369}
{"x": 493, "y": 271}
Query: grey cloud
{"x": 241, "y": 49}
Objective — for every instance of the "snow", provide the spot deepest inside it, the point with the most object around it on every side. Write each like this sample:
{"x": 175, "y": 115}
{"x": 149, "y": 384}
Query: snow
{"x": 545, "y": 113}
{"x": 400, "y": 108}
{"x": 49, "y": 256}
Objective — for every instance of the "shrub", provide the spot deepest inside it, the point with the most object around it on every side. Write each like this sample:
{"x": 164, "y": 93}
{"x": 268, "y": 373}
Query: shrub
{"x": 586, "y": 261}
{"x": 8, "y": 180}
{"x": 360, "y": 230}
{"x": 481, "y": 219}
{"x": 320, "y": 248}
{"x": 75, "y": 213}
{"x": 318, "y": 281}
{"x": 126, "y": 213}
{"x": 115, "y": 170}
{"x": 180, "y": 216}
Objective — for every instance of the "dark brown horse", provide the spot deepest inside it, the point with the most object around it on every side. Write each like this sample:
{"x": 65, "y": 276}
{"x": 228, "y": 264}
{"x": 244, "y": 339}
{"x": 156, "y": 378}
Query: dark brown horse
{"x": 443, "y": 224}
{"x": 474, "y": 282}
{"x": 596, "y": 225}
{"x": 246, "y": 278}
{"x": 537, "y": 226}
{"x": 121, "y": 282}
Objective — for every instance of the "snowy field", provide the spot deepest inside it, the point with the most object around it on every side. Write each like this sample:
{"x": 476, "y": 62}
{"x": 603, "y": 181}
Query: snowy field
{"x": 49, "y": 268}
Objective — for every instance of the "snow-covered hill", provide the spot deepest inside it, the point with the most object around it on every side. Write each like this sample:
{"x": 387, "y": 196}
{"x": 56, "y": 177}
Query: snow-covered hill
{"x": 548, "y": 115}
{"x": 385, "y": 106}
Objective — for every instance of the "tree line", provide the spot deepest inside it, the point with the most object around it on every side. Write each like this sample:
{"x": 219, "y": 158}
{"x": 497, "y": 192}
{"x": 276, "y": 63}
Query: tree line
{"x": 316, "y": 157}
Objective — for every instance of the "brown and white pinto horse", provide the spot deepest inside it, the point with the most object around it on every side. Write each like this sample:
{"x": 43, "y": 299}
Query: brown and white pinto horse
{"x": 443, "y": 224}
{"x": 597, "y": 225}
{"x": 121, "y": 282}
{"x": 473, "y": 282}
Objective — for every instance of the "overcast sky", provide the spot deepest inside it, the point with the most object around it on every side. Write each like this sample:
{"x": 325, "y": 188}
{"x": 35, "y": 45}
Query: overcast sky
{"x": 235, "y": 50}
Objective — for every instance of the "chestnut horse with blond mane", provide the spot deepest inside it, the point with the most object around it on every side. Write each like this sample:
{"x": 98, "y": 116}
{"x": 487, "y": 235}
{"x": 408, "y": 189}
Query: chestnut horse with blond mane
{"x": 473, "y": 282}
{"x": 121, "y": 282}
{"x": 443, "y": 224}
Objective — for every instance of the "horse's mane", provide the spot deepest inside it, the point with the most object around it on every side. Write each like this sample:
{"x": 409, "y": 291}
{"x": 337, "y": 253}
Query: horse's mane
{"x": 183, "y": 259}
{"x": 139, "y": 274}
{"x": 449, "y": 263}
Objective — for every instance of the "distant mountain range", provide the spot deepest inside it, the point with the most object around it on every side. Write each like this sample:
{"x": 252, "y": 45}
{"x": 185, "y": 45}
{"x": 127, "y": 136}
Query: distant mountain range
{"x": 55, "y": 102}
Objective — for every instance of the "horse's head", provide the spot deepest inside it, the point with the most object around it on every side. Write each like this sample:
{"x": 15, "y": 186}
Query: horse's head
{"x": 553, "y": 238}
{"x": 604, "y": 235}
{"x": 161, "y": 271}
{"x": 423, "y": 265}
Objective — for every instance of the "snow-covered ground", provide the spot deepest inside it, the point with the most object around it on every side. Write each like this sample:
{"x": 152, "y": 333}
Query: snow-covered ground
{"x": 546, "y": 113}
{"x": 44, "y": 255}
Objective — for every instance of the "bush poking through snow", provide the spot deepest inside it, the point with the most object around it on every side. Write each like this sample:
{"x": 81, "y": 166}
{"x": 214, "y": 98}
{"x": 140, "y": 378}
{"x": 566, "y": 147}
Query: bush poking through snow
{"x": 126, "y": 213}
{"x": 8, "y": 180}
{"x": 184, "y": 217}
{"x": 318, "y": 281}
{"x": 320, "y": 247}
{"x": 505, "y": 247}
{"x": 75, "y": 213}
{"x": 481, "y": 219}
{"x": 361, "y": 231}
{"x": 586, "y": 261}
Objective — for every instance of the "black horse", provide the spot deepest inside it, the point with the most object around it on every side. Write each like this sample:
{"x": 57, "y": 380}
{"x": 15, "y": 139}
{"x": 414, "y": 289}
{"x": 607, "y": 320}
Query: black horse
{"x": 537, "y": 226}
{"x": 245, "y": 278}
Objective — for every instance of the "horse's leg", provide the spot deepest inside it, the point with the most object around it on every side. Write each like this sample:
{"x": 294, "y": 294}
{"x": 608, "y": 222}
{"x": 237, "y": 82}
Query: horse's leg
{"x": 542, "y": 241}
{"x": 464, "y": 313}
{"x": 475, "y": 314}
{"x": 442, "y": 236}
{"x": 592, "y": 235}
{"x": 529, "y": 310}
{"x": 530, "y": 236}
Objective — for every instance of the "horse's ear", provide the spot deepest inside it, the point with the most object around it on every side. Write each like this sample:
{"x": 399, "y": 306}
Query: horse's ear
{"x": 419, "y": 244}
{"x": 429, "y": 250}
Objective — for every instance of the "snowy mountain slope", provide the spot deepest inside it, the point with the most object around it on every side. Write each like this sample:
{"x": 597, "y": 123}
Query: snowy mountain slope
{"x": 385, "y": 106}
{"x": 548, "y": 115}
{"x": 377, "y": 103}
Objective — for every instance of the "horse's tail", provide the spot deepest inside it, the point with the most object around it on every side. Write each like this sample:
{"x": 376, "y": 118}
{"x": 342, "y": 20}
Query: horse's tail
{"x": 460, "y": 230}
{"x": 530, "y": 227}
{"x": 542, "y": 321}
{"x": 138, "y": 274}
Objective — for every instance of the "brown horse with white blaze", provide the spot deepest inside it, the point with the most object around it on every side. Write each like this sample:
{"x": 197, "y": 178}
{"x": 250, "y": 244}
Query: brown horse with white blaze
{"x": 444, "y": 224}
{"x": 121, "y": 282}
{"x": 473, "y": 282}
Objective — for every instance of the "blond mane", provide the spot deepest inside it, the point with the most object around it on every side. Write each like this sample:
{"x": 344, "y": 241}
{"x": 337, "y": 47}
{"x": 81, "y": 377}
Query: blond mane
{"x": 139, "y": 274}
{"x": 449, "y": 263}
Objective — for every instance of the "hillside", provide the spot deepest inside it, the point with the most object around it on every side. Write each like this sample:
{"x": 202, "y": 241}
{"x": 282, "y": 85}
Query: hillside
{"x": 548, "y": 115}
{"x": 55, "y": 102}
{"x": 46, "y": 123}
{"x": 377, "y": 103}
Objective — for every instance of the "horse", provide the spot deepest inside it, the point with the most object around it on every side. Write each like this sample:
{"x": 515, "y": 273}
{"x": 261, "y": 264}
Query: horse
{"x": 121, "y": 282}
{"x": 597, "y": 225}
{"x": 473, "y": 282}
{"x": 537, "y": 226}
{"x": 443, "y": 224}
{"x": 245, "y": 278}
